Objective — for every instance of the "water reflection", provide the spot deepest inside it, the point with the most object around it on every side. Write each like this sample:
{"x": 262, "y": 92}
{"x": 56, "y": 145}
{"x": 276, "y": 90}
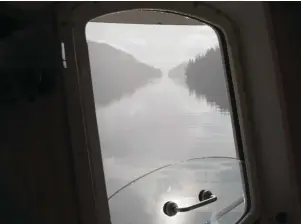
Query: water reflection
{"x": 158, "y": 124}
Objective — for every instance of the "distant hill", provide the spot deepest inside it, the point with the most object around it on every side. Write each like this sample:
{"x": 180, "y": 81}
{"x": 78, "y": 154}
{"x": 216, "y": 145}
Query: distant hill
{"x": 116, "y": 73}
{"x": 178, "y": 73}
{"x": 205, "y": 77}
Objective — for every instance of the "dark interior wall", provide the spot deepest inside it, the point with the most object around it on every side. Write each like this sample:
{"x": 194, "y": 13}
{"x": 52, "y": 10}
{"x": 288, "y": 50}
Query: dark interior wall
{"x": 35, "y": 159}
{"x": 36, "y": 171}
{"x": 286, "y": 34}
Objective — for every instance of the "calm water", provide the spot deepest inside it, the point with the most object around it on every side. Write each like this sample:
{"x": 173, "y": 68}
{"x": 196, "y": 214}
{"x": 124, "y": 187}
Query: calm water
{"x": 159, "y": 124}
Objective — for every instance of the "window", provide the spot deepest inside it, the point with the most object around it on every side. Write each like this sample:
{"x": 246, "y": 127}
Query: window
{"x": 164, "y": 119}
{"x": 257, "y": 119}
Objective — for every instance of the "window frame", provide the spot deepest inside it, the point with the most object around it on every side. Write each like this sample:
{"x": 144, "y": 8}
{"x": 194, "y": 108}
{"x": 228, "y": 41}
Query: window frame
{"x": 81, "y": 109}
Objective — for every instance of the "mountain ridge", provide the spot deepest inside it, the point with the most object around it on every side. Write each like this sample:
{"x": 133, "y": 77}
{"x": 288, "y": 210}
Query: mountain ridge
{"x": 115, "y": 73}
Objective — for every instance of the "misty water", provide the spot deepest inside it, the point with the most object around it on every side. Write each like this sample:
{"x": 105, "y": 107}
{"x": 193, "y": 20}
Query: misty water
{"x": 159, "y": 124}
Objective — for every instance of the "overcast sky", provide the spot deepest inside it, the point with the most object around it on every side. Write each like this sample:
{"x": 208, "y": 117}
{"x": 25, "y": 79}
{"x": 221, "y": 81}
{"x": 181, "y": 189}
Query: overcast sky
{"x": 170, "y": 44}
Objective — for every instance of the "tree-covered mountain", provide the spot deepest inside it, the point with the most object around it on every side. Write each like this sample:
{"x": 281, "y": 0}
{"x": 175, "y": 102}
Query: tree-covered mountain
{"x": 205, "y": 77}
{"x": 115, "y": 73}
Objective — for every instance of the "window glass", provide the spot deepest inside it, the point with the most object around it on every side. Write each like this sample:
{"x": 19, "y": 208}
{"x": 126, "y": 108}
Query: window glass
{"x": 163, "y": 117}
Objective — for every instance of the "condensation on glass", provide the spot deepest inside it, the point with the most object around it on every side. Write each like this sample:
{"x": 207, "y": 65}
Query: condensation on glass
{"x": 163, "y": 117}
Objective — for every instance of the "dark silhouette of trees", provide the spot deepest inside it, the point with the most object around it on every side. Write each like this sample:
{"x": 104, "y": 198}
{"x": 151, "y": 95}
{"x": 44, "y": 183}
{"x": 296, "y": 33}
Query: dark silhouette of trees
{"x": 205, "y": 76}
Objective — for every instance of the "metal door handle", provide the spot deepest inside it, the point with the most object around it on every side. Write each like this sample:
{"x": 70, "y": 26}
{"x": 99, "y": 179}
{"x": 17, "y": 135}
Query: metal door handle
{"x": 206, "y": 197}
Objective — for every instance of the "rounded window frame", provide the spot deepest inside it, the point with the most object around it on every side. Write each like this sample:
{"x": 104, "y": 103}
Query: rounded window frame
{"x": 226, "y": 29}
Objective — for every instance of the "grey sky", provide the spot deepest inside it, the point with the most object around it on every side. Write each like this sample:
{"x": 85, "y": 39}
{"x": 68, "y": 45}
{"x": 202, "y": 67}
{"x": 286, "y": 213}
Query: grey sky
{"x": 180, "y": 42}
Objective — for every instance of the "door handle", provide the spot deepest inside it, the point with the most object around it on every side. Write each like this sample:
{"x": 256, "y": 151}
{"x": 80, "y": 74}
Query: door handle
{"x": 206, "y": 197}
